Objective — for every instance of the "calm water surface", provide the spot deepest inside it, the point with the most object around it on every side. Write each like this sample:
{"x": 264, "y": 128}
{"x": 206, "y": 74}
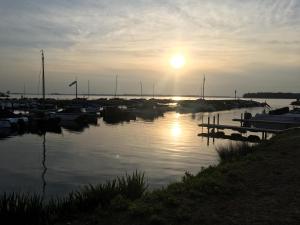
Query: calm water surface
{"x": 164, "y": 149}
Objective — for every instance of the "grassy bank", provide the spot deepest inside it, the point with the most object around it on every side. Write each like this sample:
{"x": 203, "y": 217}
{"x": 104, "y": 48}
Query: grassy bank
{"x": 251, "y": 185}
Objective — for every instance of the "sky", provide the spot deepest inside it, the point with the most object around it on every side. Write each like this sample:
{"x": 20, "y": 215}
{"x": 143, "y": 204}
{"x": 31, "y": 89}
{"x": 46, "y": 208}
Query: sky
{"x": 247, "y": 45}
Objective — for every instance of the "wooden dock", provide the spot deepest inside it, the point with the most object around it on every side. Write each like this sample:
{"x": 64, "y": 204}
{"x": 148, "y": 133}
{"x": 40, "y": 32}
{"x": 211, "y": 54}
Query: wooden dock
{"x": 239, "y": 128}
{"x": 294, "y": 123}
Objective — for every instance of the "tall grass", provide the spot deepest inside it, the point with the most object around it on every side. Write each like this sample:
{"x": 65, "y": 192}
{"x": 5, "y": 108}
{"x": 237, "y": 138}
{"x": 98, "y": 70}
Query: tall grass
{"x": 20, "y": 208}
{"x": 234, "y": 150}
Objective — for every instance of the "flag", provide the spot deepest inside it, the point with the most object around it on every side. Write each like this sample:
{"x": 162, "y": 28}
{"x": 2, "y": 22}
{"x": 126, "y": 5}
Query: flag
{"x": 74, "y": 82}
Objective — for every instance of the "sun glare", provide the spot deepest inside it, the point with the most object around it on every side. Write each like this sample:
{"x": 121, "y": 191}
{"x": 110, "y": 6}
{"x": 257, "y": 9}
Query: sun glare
{"x": 177, "y": 61}
{"x": 176, "y": 130}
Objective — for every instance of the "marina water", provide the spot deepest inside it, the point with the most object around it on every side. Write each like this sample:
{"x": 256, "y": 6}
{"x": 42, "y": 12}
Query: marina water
{"x": 56, "y": 163}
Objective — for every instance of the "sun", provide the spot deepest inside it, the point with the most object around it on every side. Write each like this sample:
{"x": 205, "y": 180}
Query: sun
{"x": 177, "y": 61}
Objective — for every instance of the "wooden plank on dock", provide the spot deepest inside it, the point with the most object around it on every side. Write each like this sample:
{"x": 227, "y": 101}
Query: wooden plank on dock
{"x": 238, "y": 128}
{"x": 295, "y": 123}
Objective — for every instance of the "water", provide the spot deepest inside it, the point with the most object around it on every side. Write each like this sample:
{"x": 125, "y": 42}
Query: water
{"x": 57, "y": 163}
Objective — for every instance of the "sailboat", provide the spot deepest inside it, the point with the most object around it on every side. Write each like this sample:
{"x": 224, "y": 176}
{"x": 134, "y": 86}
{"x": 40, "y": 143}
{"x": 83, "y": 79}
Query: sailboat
{"x": 41, "y": 116}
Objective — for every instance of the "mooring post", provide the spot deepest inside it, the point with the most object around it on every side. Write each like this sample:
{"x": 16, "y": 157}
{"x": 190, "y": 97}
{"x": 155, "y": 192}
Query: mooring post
{"x": 241, "y": 119}
{"x": 208, "y": 124}
{"x": 214, "y": 122}
{"x": 218, "y": 121}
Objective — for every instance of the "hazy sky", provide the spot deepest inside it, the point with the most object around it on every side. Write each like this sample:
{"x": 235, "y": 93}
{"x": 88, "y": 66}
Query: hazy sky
{"x": 248, "y": 45}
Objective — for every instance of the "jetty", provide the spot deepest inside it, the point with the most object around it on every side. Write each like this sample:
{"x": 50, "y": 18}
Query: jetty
{"x": 244, "y": 127}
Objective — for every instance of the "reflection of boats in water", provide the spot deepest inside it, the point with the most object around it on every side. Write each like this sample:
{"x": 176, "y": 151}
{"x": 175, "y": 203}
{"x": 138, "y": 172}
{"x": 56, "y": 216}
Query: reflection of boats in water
{"x": 44, "y": 169}
{"x": 76, "y": 126}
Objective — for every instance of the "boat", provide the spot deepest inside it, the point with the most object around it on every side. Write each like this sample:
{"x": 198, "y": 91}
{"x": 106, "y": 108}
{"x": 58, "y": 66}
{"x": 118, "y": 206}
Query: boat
{"x": 296, "y": 103}
{"x": 72, "y": 114}
{"x": 117, "y": 114}
{"x": 15, "y": 120}
{"x": 280, "y": 119}
{"x": 5, "y": 124}
{"x": 43, "y": 118}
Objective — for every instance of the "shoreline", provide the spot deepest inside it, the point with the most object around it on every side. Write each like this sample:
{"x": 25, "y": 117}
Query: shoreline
{"x": 258, "y": 187}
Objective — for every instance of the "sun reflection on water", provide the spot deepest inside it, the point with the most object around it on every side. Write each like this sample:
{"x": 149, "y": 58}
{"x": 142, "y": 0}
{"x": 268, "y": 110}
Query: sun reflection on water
{"x": 176, "y": 130}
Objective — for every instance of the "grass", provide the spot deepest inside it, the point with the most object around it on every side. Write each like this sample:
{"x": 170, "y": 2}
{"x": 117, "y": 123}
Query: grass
{"x": 234, "y": 150}
{"x": 23, "y": 208}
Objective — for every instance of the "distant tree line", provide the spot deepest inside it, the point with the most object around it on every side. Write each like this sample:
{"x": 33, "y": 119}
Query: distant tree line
{"x": 272, "y": 95}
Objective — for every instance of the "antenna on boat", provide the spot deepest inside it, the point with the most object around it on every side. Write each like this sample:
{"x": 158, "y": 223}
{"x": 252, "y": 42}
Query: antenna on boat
{"x": 43, "y": 74}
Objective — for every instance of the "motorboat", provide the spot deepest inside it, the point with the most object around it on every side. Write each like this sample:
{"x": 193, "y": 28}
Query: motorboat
{"x": 279, "y": 119}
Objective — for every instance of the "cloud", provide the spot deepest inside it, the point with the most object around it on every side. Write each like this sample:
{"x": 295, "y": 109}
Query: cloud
{"x": 97, "y": 35}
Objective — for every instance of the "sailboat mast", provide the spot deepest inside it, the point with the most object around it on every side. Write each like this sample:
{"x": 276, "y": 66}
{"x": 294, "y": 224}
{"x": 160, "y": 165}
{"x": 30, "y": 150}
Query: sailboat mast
{"x": 88, "y": 88}
{"x": 116, "y": 86}
{"x": 141, "y": 85}
{"x": 153, "y": 86}
{"x": 43, "y": 74}
{"x": 76, "y": 88}
{"x": 203, "y": 88}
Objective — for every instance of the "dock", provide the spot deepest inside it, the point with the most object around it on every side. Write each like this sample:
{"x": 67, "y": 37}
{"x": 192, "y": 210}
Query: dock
{"x": 294, "y": 123}
{"x": 239, "y": 128}
{"x": 214, "y": 127}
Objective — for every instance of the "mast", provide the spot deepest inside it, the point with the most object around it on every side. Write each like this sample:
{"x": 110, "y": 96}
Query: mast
{"x": 141, "y": 84}
{"x": 203, "y": 88}
{"x": 43, "y": 74}
{"x": 24, "y": 91}
{"x": 88, "y": 88}
{"x": 76, "y": 87}
{"x": 153, "y": 86}
{"x": 116, "y": 86}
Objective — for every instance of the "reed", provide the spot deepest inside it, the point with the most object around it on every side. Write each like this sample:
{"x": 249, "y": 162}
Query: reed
{"x": 234, "y": 150}
{"x": 24, "y": 208}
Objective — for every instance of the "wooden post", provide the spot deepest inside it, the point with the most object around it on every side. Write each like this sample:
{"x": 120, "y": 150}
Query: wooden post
{"x": 241, "y": 119}
{"x": 218, "y": 121}
{"x": 208, "y": 123}
{"x": 214, "y": 122}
